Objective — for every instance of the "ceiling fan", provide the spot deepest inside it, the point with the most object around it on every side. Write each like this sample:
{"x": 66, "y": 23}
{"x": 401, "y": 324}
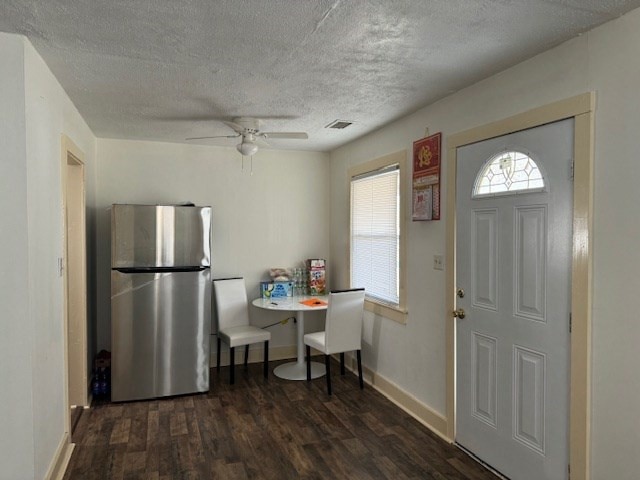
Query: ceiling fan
{"x": 248, "y": 129}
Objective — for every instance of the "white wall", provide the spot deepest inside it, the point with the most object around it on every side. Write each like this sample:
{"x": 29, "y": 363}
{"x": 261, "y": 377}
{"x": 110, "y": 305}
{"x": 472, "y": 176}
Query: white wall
{"x": 38, "y": 113}
{"x": 412, "y": 356}
{"x": 614, "y": 71}
{"x": 16, "y": 421}
{"x": 277, "y": 217}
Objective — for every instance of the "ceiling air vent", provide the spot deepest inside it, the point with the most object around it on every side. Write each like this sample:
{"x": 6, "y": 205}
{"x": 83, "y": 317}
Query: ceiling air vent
{"x": 339, "y": 124}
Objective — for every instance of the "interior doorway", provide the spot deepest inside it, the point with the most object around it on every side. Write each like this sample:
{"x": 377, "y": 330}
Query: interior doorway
{"x": 74, "y": 270}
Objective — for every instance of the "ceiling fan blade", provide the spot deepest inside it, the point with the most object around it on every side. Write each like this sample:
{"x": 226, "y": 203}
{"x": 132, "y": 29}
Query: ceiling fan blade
{"x": 262, "y": 141}
{"x": 234, "y": 126}
{"x": 291, "y": 135}
{"x": 216, "y": 136}
{"x": 186, "y": 118}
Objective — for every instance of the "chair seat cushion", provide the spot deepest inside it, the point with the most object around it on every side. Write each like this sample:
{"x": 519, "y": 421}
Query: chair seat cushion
{"x": 243, "y": 335}
{"x": 316, "y": 340}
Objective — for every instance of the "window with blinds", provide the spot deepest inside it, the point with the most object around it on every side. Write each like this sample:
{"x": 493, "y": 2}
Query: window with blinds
{"x": 375, "y": 233}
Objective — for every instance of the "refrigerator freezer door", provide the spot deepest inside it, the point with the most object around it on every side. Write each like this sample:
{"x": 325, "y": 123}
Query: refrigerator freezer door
{"x": 148, "y": 236}
{"x": 160, "y": 327}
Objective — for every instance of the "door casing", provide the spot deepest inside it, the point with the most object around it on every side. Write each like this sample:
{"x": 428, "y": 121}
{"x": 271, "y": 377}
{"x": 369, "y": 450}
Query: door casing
{"x": 581, "y": 108}
{"x": 74, "y": 272}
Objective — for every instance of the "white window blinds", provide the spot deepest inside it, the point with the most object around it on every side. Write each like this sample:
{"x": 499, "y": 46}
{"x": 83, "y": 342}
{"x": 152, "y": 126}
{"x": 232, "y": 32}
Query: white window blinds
{"x": 375, "y": 233}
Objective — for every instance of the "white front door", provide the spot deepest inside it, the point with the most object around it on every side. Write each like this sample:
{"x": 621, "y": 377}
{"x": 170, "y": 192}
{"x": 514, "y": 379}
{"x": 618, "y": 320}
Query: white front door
{"x": 513, "y": 275}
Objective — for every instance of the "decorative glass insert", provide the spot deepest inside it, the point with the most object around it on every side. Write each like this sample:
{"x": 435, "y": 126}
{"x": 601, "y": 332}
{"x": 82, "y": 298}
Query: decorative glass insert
{"x": 508, "y": 172}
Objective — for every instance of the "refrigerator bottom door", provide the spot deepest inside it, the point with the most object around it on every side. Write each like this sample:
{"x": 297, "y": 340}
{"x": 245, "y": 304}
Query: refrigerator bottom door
{"x": 160, "y": 327}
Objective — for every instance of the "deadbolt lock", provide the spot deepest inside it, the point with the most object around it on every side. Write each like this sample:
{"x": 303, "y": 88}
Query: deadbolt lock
{"x": 460, "y": 293}
{"x": 459, "y": 313}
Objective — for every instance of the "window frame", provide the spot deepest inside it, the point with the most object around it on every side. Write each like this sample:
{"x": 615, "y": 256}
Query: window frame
{"x": 396, "y": 313}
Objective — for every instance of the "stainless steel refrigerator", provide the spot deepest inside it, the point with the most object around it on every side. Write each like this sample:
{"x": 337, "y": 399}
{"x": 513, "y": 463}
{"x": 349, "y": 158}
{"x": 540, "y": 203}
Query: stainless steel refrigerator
{"x": 160, "y": 300}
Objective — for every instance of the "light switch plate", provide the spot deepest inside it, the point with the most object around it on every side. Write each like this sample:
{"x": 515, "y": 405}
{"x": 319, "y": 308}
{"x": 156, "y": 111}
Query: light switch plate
{"x": 438, "y": 262}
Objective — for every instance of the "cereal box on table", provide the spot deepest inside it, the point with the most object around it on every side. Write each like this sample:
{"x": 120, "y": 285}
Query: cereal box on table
{"x": 317, "y": 276}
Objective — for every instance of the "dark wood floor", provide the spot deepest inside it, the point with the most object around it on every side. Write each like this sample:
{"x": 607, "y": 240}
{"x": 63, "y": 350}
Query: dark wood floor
{"x": 254, "y": 429}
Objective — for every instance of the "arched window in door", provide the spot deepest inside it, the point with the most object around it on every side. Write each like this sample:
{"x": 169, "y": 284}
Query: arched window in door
{"x": 506, "y": 173}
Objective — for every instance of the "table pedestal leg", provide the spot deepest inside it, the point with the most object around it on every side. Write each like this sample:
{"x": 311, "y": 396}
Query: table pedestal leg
{"x": 298, "y": 370}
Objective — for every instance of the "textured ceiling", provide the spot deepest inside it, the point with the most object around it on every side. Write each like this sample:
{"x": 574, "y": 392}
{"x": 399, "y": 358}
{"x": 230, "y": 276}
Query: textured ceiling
{"x": 167, "y": 69}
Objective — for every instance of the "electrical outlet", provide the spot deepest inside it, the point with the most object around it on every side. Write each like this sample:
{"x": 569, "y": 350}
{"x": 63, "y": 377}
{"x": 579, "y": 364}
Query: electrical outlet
{"x": 438, "y": 262}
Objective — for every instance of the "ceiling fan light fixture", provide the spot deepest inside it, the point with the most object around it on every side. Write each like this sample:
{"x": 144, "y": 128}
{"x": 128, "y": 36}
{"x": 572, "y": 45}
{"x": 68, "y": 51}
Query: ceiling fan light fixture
{"x": 247, "y": 148}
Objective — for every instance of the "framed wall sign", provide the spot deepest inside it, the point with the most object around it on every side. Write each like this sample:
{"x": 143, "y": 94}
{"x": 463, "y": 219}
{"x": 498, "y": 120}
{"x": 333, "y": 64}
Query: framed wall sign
{"x": 426, "y": 178}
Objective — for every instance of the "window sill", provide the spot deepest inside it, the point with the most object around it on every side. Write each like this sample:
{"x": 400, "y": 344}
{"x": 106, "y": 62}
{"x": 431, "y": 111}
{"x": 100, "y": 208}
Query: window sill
{"x": 396, "y": 314}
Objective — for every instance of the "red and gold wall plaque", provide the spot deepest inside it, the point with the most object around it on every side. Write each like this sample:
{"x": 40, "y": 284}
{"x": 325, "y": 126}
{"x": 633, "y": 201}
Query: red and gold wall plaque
{"x": 426, "y": 178}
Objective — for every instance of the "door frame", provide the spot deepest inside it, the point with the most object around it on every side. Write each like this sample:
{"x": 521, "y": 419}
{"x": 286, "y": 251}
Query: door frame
{"x": 74, "y": 267}
{"x": 581, "y": 108}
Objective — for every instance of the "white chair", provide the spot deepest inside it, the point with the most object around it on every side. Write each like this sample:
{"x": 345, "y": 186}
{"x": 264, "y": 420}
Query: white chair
{"x": 343, "y": 331}
{"x": 232, "y": 312}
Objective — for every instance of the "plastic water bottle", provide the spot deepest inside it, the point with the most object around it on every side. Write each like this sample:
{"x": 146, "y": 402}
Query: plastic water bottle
{"x": 95, "y": 384}
{"x": 104, "y": 382}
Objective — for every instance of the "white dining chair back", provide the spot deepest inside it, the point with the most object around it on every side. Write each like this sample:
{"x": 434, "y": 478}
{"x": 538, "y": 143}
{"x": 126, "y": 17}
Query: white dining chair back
{"x": 343, "y": 332}
{"x": 343, "y": 328}
{"x": 232, "y": 306}
{"x": 232, "y": 318}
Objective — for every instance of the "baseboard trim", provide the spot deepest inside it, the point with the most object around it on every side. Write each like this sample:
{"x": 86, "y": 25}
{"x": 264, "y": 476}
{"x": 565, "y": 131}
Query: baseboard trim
{"x": 256, "y": 354}
{"x": 61, "y": 459}
{"x": 403, "y": 399}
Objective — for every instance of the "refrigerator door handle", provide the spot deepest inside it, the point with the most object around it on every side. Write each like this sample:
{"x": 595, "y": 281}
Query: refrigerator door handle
{"x": 160, "y": 269}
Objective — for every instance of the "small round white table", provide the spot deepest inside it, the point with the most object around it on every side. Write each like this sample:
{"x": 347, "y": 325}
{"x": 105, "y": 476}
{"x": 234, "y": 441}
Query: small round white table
{"x": 295, "y": 370}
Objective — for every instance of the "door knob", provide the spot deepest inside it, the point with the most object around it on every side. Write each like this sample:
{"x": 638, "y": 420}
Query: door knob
{"x": 459, "y": 313}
